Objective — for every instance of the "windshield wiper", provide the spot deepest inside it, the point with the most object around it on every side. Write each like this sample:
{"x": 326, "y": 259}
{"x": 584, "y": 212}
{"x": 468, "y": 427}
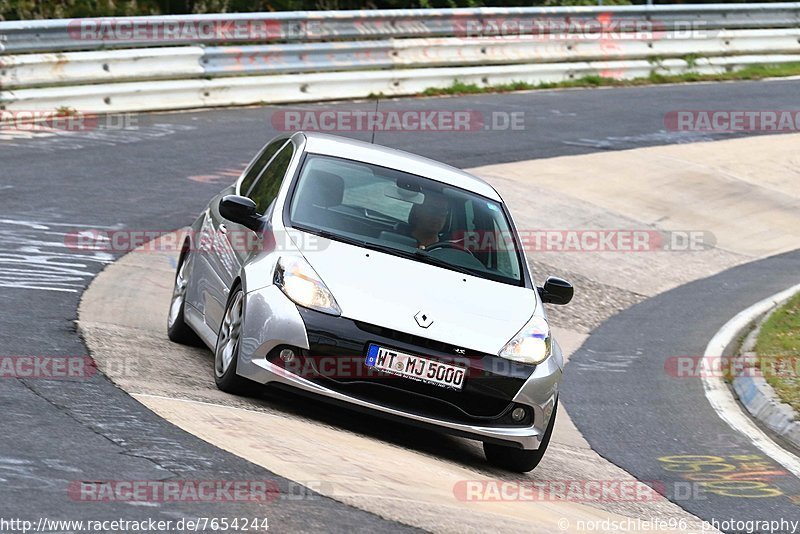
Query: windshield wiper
{"x": 426, "y": 257}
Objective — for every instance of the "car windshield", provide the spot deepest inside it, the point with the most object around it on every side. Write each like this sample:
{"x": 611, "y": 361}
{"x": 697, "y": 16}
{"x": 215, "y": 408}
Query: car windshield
{"x": 405, "y": 215}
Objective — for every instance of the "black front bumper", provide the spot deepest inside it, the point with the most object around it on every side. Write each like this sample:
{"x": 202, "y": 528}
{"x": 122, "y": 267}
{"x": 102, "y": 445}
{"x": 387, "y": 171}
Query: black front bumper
{"x": 336, "y": 360}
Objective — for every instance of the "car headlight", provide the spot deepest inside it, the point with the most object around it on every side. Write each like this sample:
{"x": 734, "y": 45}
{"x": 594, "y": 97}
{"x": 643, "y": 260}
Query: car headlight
{"x": 532, "y": 344}
{"x": 298, "y": 281}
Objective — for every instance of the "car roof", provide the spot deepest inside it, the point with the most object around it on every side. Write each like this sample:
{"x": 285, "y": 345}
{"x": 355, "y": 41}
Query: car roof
{"x": 333, "y": 145}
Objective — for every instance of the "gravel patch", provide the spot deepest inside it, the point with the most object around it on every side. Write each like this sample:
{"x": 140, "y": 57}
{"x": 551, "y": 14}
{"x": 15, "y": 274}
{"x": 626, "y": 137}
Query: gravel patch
{"x": 592, "y": 304}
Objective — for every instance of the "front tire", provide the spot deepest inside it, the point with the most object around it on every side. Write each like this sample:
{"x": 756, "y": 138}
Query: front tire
{"x": 520, "y": 460}
{"x": 226, "y": 352}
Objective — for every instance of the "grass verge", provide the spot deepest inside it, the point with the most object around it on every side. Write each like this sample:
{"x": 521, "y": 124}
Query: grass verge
{"x": 778, "y": 350}
{"x": 753, "y": 72}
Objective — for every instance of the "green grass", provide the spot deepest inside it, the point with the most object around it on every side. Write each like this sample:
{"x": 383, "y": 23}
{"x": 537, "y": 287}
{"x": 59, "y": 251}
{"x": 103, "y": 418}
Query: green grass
{"x": 778, "y": 348}
{"x": 755, "y": 72}
{"x": 460, "y": 88}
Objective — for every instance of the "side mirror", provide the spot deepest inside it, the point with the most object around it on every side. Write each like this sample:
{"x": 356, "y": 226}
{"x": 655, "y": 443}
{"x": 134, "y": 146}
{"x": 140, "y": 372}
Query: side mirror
{"x": 556, "y": 291}
{"x": 240, "y": 210}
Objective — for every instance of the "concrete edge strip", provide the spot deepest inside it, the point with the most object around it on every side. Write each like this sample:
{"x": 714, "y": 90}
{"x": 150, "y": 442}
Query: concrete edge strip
{"x": 760, "y": 399}
{"x": 758, "y": 396}
{"x": 720, "y": 397}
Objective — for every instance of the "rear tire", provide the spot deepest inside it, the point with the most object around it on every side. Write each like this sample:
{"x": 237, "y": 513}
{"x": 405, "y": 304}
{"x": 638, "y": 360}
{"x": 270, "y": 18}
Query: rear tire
{"x": 177, "y": 329}
{"x": 520, "y": 460}
{"x": 226, "y": 352}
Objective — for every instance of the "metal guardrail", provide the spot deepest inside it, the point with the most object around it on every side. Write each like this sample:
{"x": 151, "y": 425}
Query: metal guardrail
{"x": 292, "y": 58}
{"x": 277, "y": 89}
{"x": 92, "y": 34}
{"x": 394, "y": 51}
{"x": 207, "y": 62}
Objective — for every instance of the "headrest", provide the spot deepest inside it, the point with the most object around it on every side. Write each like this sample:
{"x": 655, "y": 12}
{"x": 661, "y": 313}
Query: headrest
{"x": 324, "y": 189}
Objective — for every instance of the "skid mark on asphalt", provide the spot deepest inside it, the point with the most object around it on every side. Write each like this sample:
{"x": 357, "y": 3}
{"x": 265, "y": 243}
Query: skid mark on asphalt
{"x": 636, "y": 141}
{"x": 18, "y": 135}
{"x": 56, "y": 140}
{"x": 35, "y": 255}
{"x": 609, "y": 362}
{"x": 20, "y": 473}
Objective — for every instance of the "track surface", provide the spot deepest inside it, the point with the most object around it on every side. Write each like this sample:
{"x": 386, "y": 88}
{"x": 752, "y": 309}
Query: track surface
{"x": 621, "y": 378}
{"x": 57, "y": 432}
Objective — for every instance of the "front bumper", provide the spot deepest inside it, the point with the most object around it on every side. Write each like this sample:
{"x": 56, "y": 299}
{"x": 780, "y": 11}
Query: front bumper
{"x": 493, "y": 387}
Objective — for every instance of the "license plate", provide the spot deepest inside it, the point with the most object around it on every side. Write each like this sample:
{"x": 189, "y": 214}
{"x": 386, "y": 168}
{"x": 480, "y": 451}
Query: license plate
{"x": 415, "y": 367}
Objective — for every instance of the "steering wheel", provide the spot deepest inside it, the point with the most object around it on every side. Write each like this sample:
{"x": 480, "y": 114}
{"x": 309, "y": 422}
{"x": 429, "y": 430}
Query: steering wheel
{"x": 448, "y": 244}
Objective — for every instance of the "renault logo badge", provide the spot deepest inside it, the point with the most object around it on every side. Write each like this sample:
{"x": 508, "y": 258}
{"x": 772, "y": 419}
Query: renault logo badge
{"x": 423, "y": 319}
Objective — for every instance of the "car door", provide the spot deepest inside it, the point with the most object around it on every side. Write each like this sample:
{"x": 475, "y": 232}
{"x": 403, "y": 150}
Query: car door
{"x": 234, "y": 243}
{"x": 213, "y": 263}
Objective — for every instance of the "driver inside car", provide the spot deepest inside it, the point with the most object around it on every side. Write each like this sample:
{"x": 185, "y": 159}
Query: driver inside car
{"x": 426, "y": 220}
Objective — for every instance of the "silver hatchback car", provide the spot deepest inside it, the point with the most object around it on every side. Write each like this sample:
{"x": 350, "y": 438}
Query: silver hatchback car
{"x": 379, "y": 280}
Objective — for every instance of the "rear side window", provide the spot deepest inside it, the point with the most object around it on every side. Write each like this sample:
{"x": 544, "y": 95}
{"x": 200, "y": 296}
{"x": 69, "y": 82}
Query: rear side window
{"x": 266, "y": 188}
{"x": 258, "y": 165}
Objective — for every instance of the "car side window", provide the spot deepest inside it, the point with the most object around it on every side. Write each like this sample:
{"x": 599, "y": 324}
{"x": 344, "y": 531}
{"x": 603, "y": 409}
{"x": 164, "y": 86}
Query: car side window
{"x": 258, "y": 165}
{"x": 266, "y": 188}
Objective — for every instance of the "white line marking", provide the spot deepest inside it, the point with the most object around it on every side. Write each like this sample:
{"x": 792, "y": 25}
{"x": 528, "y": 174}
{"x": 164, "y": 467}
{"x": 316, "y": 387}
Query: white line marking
{"x": 720, "y": 396}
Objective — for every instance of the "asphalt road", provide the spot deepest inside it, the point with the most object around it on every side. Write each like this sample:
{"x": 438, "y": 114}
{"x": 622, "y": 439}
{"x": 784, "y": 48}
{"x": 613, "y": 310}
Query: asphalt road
{"x": 624, "y": 391}
{"x": 157, "y": 176}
